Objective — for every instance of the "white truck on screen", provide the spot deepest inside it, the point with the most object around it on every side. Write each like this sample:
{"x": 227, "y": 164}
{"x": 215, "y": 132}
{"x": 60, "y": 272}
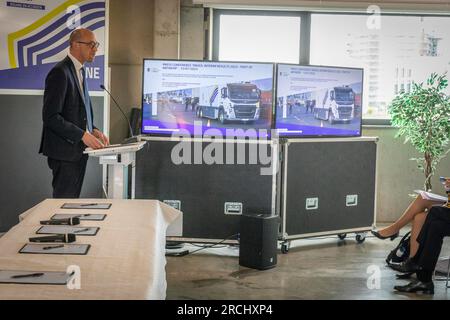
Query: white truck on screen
{"x": 230, "y": 102}
{"x": 335, "y": 105}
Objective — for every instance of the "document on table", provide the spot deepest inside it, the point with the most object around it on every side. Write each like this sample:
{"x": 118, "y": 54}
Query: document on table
{"x": 431, "y": 196}
{"x": 82, "y": 217}
{"x": 50, "y": 248}
{"x": 79, "y": 231}
{"x": 103, "y": 206}
{"x": 34, "y": 277}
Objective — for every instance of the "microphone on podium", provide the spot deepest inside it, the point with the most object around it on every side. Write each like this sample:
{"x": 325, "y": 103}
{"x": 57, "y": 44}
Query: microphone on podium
{"x": 132, "y": 137}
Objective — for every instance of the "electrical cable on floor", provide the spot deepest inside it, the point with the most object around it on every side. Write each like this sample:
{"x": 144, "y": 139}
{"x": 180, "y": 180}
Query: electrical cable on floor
{"x": 348, "y": 237}
{"x": 186, "y": 252}
{"x": 203, "y": 246}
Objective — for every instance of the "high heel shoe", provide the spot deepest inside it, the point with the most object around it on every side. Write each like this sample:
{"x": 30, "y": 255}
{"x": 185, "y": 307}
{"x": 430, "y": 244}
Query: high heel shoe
{"x": 379, "y": 236}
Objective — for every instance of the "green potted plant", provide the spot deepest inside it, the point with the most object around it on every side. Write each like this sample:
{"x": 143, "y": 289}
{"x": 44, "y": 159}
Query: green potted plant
{"x": 423, "y": 118}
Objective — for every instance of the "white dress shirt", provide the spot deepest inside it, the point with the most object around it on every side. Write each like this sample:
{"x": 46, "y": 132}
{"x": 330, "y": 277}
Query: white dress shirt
{"x": 78, "y": 67}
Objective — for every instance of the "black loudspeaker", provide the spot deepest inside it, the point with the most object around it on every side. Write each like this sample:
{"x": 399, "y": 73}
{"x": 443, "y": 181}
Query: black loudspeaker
{"x": 258, "y": 241}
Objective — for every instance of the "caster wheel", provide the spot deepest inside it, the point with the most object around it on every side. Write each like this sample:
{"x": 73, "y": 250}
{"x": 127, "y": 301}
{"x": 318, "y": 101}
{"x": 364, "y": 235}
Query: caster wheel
{"x": 342, "y": 236}
{"x": 360, "y": 238}
{"x": 285, "y": 248}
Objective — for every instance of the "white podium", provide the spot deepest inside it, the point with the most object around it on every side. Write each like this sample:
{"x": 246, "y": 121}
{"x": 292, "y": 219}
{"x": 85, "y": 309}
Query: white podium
{"x": 118, "y": 158}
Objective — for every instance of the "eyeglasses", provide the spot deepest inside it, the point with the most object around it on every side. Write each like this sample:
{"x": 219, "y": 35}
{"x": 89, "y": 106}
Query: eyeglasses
{"x": 92, "y": 44}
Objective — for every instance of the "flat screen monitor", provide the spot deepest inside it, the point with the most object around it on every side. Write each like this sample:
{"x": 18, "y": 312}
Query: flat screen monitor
{"x": 204, "y": 98}
{"x": 318, "y": 101}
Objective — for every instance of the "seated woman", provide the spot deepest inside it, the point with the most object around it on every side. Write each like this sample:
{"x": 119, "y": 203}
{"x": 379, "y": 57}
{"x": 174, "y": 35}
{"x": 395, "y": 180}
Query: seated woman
{"x": 423, "y": 263}
{"x": 415, "y": 213}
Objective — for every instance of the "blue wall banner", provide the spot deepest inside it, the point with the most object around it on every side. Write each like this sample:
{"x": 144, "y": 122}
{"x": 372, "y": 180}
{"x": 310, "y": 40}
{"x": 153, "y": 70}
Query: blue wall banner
{"x": 34, "y": 37}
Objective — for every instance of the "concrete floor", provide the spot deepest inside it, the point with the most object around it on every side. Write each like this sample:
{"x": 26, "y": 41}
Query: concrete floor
{"x": 321, "y": 268}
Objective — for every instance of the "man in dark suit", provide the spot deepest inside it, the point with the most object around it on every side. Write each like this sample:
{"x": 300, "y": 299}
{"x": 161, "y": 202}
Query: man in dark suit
{"x": 68, "y": 118}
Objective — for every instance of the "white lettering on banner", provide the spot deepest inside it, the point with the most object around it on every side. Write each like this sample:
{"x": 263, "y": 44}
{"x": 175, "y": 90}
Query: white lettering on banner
{"x": 93, "y": 73}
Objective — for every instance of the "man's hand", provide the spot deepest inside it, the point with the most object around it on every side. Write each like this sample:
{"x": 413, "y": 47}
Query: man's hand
{"x": 100, "y": 136}
{"x": 91, "y": 141}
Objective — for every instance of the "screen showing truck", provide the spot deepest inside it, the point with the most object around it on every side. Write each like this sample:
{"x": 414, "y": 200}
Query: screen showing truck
{"x": 318, "y": 101}
{"x": 207, "y": 98}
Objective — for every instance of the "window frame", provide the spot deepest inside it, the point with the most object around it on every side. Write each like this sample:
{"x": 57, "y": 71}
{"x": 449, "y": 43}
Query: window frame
{"x": 305, "y": 33}
{"x": 303, "y": 45}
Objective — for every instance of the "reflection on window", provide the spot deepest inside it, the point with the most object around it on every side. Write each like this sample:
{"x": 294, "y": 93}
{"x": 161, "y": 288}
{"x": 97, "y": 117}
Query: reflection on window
{"x": 405, "y": 50}
{"x": 259, "y": 38}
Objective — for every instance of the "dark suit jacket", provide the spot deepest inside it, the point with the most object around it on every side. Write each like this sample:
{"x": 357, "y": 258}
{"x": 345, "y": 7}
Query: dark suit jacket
{"x": 64, "y": 114}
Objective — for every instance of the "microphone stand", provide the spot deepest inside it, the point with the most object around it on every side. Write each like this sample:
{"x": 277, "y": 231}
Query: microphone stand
{"x": 132, "y": 137}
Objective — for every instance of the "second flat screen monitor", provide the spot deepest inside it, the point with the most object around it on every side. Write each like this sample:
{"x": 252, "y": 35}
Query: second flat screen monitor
{"x": 315, "y": 101}
{"x": 207, "y": 98}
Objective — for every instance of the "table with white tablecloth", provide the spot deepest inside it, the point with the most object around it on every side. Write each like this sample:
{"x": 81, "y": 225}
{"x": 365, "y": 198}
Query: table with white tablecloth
{"x": 126, "y": 259}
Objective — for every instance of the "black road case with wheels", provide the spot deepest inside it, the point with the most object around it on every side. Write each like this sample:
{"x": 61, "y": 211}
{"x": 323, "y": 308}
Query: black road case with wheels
{"x": 328, "y": 187}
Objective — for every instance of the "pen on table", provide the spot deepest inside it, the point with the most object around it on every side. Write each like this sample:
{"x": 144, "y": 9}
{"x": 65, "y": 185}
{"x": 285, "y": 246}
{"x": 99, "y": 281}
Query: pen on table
{"x": 88, "y": 204}
{"x": 53, "y": 247}
{"x": 39, "y": 274}
{"x": 81, "y": 230}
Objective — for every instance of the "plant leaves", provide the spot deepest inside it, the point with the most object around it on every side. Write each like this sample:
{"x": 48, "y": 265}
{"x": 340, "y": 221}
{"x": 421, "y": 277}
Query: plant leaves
{"x": 423, "y": 119}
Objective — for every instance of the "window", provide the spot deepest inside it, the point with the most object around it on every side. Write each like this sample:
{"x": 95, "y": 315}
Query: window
{"x": 404, "y": 50}
{"x": 259, "y": 38}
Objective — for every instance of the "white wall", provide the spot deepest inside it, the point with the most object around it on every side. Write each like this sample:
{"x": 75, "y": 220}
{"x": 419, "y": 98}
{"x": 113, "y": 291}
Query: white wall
{"x": 130, "y": 40}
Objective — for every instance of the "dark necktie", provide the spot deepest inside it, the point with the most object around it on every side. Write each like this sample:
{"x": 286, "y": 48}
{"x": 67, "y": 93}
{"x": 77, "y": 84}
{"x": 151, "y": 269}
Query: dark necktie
{"x": 87, "y": 101}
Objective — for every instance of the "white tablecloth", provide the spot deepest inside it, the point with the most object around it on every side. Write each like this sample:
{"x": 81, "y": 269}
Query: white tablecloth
{"x": 126, "y": 259}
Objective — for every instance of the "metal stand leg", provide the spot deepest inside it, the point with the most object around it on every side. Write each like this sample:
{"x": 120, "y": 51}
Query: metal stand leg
{"x": 133, "y": 179}
{"x": 448, "y": 273}
{"x": 117, "y": 182}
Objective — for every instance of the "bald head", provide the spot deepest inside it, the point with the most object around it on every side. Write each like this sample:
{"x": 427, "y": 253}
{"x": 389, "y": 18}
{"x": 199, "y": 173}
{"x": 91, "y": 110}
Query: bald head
{"x": 78, "y": 35}
{"x": 83, "y": 45}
